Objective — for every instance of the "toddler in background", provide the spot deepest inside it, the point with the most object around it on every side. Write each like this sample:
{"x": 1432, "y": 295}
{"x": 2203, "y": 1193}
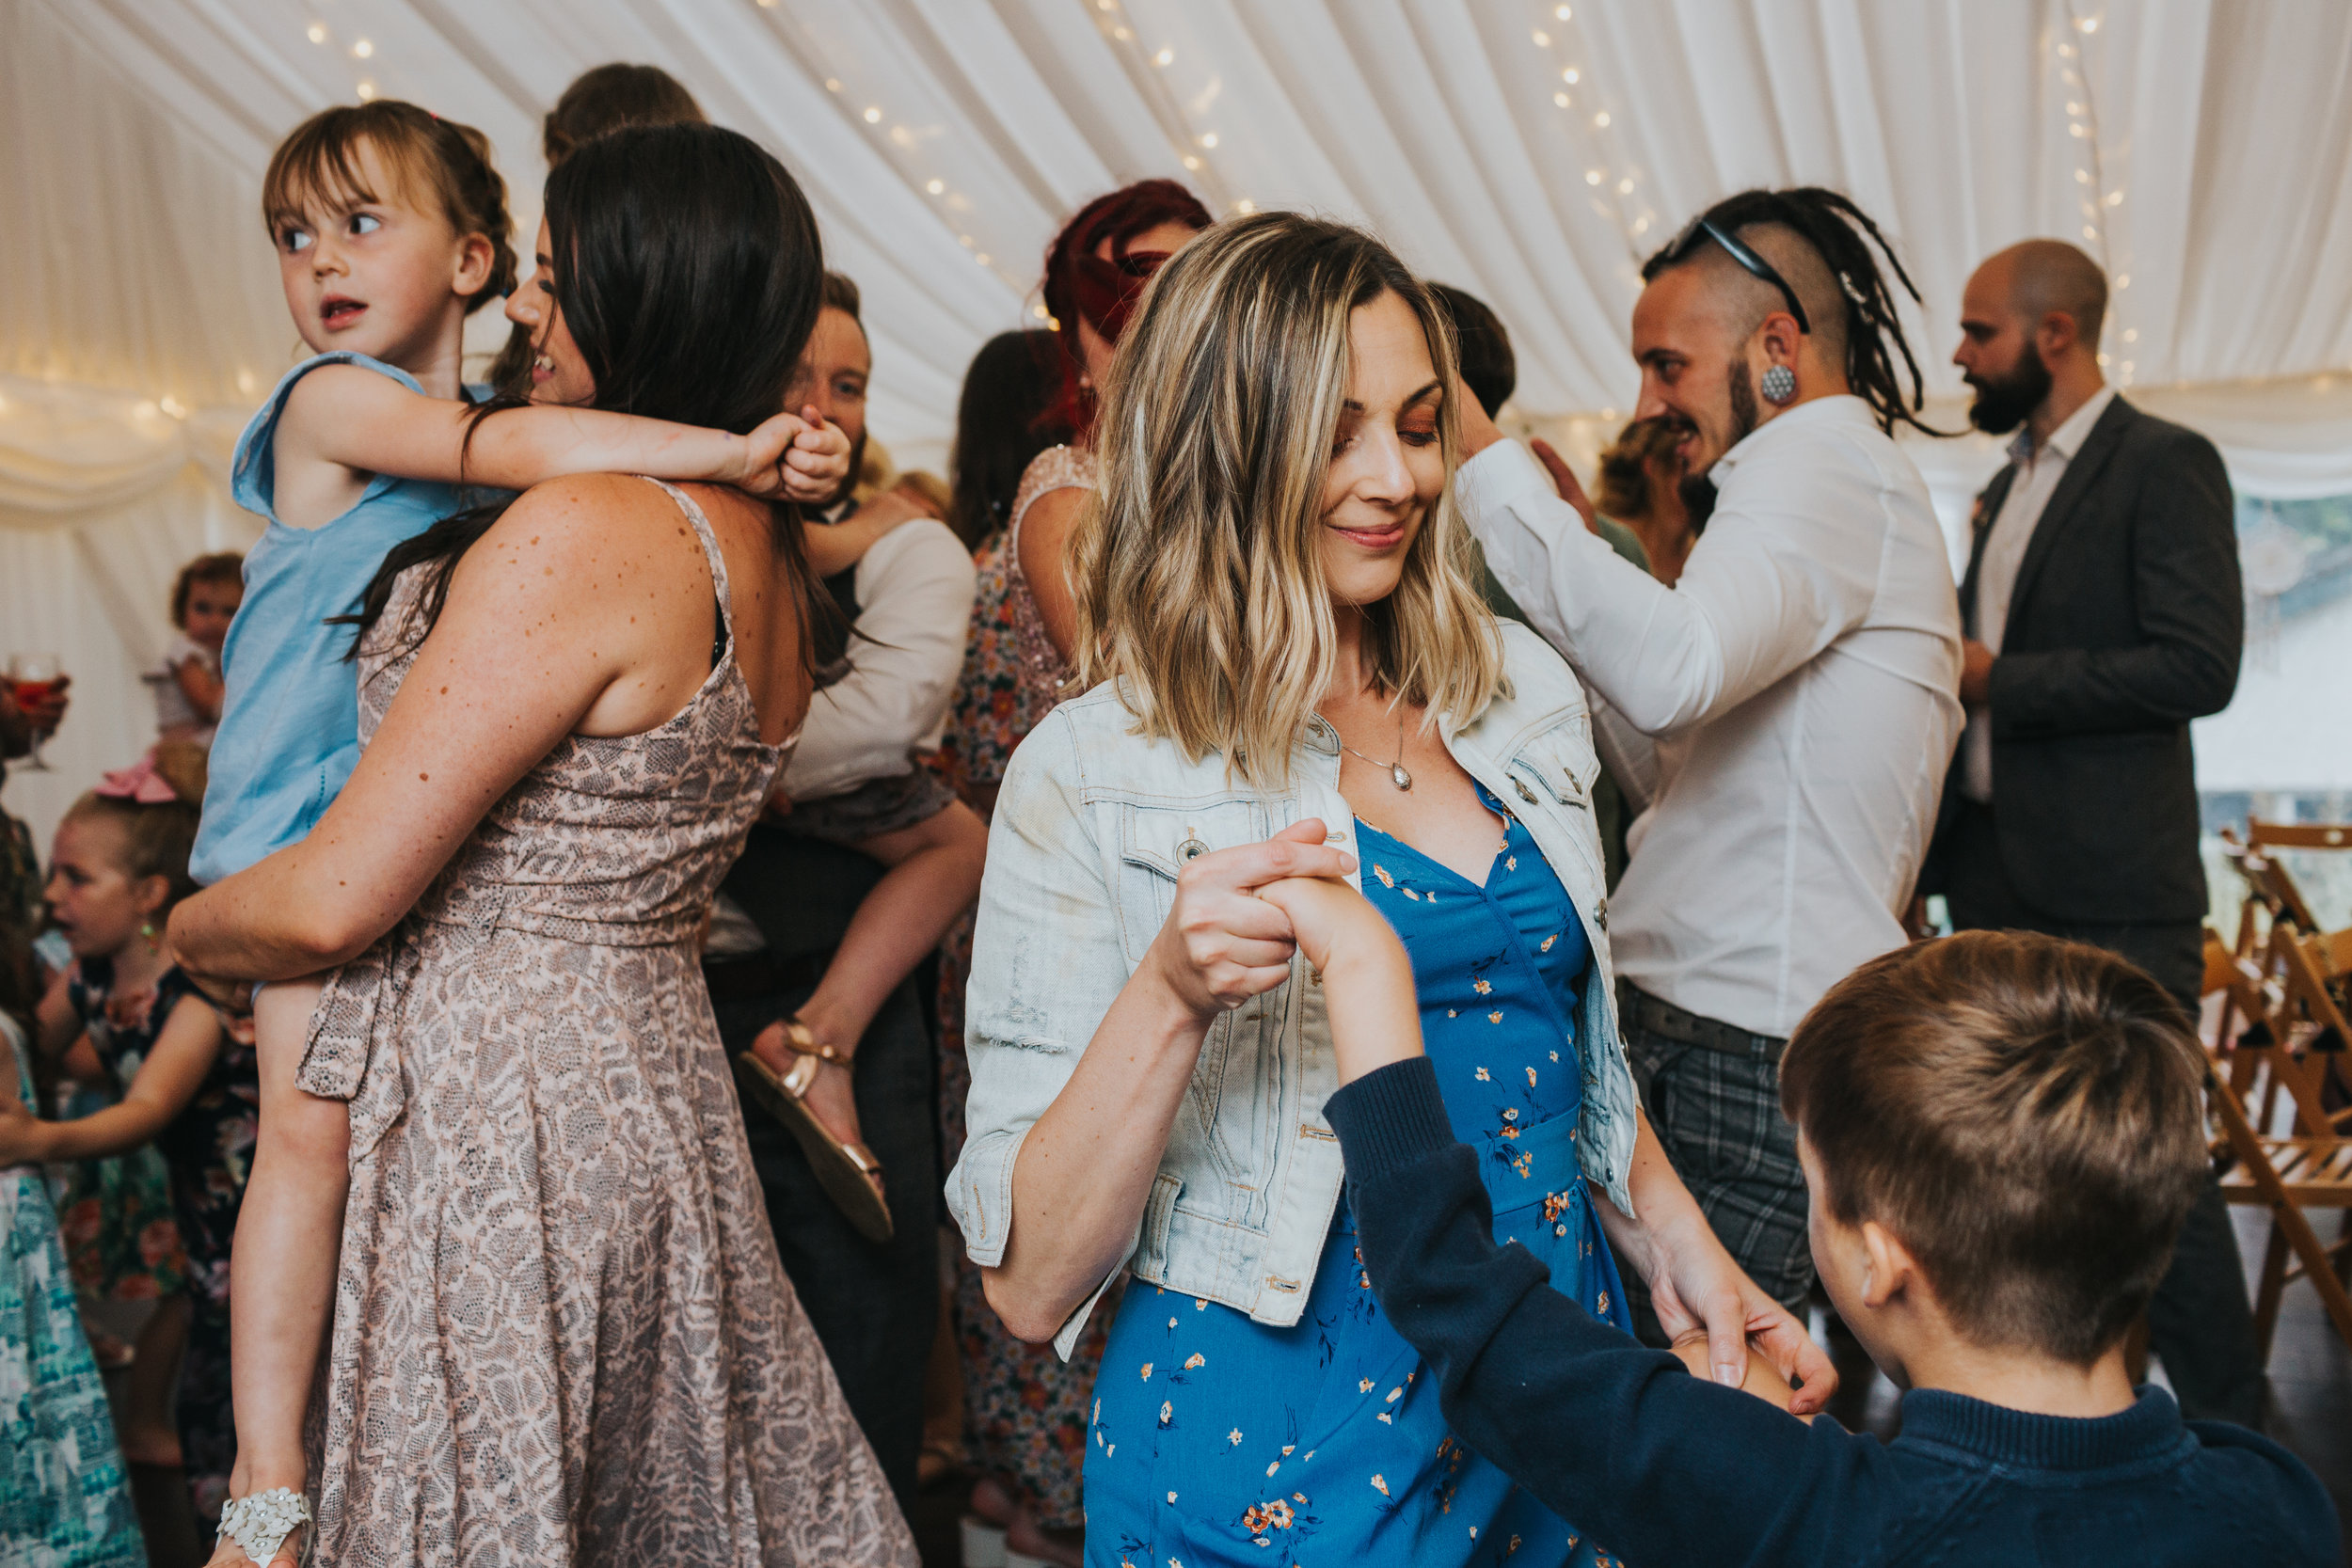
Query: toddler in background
{"x": 2002, "y": 1134}
{"x": 391, "y": 227}
{"x": 123, "y": 1012}
{"x": 186, "y": 683}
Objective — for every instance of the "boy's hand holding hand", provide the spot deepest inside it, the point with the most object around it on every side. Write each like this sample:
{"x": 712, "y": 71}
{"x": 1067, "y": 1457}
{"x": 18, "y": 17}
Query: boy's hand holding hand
{"x": 1367, "y": 979}
{"x": 1763, "y": 1380}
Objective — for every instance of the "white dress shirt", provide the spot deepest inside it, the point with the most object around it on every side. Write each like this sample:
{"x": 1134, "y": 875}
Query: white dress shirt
{"x": 1804, "y": 674}
{"x": 2029, "y": 493}
{"x": 914, "y": 589}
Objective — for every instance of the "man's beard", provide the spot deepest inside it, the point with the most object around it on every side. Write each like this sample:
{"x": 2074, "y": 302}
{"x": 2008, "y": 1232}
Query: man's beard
{"x": 2004, "y": 403}
{"x": 1697, "y": 488}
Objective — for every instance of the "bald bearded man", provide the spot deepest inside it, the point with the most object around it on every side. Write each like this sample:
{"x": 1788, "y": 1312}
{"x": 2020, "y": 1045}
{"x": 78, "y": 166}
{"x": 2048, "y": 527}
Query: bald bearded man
{"x": 2103, "y": 614}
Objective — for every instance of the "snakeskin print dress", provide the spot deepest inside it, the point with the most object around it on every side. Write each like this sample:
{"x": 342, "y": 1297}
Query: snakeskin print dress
{"x": 561, "y": 1334}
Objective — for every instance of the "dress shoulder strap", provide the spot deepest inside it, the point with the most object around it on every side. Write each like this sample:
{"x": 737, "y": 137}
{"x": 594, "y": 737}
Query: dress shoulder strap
{"x": 717, "y": 563}
{"x": 1063, "y": 468}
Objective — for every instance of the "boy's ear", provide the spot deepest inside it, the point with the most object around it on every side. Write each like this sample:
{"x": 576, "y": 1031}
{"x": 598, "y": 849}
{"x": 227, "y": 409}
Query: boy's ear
{"x": 1893, "y": 1270}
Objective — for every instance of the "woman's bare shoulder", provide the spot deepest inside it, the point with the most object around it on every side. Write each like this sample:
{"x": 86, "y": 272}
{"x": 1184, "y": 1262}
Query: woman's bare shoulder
{"x": 586, "y": 535}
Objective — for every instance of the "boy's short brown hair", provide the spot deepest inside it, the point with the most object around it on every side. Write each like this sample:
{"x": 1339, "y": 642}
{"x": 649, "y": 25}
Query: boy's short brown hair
{"x": 2025, "y": 1114}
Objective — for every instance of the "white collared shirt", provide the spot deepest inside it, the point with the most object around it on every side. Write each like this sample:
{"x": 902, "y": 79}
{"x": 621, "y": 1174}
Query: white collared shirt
{"x": 2029, "y": 493}
{"x": 1806, "y": 668}
{"x": 914, "y": 589}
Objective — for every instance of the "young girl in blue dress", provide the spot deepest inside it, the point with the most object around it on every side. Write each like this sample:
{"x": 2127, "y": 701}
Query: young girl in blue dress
{"x": 391, "y": 228}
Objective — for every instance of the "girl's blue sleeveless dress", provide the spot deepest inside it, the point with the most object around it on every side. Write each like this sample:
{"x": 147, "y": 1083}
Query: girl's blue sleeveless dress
{"x": 289, "y": 733}
{"x": 1219, "y": 1440}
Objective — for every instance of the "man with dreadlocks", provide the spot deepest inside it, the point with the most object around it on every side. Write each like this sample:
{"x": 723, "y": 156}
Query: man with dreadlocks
{"x": 1800, "y": 678}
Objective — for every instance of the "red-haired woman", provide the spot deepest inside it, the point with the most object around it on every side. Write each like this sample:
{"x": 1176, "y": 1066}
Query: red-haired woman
{"x": 1025, "y": 1410}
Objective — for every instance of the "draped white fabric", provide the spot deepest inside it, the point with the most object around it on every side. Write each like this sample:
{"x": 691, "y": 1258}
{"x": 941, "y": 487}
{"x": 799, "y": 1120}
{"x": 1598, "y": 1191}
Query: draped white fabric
{"x": 1531, "y": 152}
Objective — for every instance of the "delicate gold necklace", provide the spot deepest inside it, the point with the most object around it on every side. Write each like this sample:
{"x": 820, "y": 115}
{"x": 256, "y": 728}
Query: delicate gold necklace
{"x": 1397, "y": 775}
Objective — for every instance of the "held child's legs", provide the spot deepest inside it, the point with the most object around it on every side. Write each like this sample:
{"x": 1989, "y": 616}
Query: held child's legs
{"x": 282, "y": 1269}
{"x": 934, "y": 876}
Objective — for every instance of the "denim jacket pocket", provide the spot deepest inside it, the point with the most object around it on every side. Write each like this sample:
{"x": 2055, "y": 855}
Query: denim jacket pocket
{"x": 1562, "y": 762}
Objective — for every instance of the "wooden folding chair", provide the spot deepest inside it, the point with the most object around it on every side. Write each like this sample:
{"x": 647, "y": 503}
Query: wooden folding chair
{"x": 2309, "y": 1169}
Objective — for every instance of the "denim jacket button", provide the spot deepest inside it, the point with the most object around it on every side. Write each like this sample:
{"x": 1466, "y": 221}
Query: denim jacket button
{"x": 1525, "y": 794}
{"x": 1191, "y": 849}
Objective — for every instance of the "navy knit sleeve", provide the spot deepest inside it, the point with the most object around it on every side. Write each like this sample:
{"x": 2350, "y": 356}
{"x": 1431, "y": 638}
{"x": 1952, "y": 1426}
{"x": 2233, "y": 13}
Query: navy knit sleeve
{"x": 1654, "y": 1465}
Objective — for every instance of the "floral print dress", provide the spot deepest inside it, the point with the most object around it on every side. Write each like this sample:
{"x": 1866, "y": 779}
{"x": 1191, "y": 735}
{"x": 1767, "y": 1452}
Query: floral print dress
{"x": 64, "y": 1500}
{"x": 1219, "y": 1440}
{"x": 1024, "y": 1407}
{"x": 208, "y": 1149}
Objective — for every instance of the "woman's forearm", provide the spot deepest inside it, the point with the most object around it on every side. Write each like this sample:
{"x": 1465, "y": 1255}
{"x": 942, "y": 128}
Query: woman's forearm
{"x": 268, "y": 922}
{"x": 1087, "y": 1166}
{"x": 1662, "y": 1204}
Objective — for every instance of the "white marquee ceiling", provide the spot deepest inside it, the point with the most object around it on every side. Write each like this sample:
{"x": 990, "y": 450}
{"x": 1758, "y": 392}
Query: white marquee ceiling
{"x": 2195, "y": 146}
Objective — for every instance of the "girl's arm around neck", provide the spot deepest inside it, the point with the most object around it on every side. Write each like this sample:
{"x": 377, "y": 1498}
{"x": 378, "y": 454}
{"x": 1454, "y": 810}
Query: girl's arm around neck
{"x": 361, "y": 421}
{"x": 587, "y": 605}
{"x": 167, "y": 1081}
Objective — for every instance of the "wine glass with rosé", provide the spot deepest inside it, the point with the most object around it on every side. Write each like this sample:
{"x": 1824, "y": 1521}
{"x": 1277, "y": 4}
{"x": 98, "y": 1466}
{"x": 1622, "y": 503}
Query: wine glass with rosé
{"x": 34, "y": 681}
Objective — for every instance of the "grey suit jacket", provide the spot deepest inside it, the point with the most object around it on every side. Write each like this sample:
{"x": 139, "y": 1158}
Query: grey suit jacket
{"x": 2126, "y": 622}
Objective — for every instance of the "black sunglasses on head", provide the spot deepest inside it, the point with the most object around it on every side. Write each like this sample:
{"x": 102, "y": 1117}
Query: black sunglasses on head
{"x": 1703, "y": 228}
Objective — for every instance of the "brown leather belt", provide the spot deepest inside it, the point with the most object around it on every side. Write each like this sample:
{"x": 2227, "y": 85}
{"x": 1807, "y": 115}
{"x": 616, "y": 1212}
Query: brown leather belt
{"x": 1663, "y": 1017}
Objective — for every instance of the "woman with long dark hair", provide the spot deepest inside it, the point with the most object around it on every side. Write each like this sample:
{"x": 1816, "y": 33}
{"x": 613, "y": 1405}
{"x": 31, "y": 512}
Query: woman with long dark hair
{"x": 561, "y": 1334}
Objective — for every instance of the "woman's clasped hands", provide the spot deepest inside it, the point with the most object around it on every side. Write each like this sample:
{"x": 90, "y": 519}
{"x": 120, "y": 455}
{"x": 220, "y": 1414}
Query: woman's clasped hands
{"x": 1222, "y": 943}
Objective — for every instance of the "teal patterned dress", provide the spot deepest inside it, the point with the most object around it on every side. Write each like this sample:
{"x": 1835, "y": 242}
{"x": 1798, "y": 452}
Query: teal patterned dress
{"x": 64, "y": 1500}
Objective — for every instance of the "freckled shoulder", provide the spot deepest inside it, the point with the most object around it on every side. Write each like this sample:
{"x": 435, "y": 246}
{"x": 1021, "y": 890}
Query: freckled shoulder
{"x": 597, "y": 534}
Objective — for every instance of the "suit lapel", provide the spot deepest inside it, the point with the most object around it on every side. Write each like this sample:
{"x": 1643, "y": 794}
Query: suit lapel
{"x": 2082, "y": 472}
{"x": 1988, "y": 510}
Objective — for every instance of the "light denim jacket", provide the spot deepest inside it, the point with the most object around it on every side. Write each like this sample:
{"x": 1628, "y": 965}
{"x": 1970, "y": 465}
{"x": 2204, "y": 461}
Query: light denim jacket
{"x": 1092, "y": 825}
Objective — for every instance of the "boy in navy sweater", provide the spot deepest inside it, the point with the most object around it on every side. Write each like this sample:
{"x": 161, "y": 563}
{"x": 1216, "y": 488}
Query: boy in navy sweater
{"x": 2002, "y": 1134}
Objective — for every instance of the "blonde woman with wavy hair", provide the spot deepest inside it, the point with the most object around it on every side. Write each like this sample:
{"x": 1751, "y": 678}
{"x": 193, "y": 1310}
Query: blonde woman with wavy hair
{"x": 1289, "y": 671}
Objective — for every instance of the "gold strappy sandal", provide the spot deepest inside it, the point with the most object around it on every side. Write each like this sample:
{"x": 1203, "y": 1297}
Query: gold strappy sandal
{"x": 848, "y": 1172}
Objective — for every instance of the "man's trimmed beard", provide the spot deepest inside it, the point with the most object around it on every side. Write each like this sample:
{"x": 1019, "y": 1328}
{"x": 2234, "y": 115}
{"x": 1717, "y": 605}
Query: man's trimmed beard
{"x": 1698, "y": 489}
{"x": 2004, "y": 403}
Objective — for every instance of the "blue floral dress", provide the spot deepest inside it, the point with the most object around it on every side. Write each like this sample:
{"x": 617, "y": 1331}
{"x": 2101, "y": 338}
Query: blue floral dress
{"x": 64, "y": 1501}
{"x": 1219, "y": 1440}
{"x": 208, "y": 1148}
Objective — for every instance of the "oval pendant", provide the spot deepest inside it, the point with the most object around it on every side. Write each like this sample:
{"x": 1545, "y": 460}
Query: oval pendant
{"x": 1398, "y": 777}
